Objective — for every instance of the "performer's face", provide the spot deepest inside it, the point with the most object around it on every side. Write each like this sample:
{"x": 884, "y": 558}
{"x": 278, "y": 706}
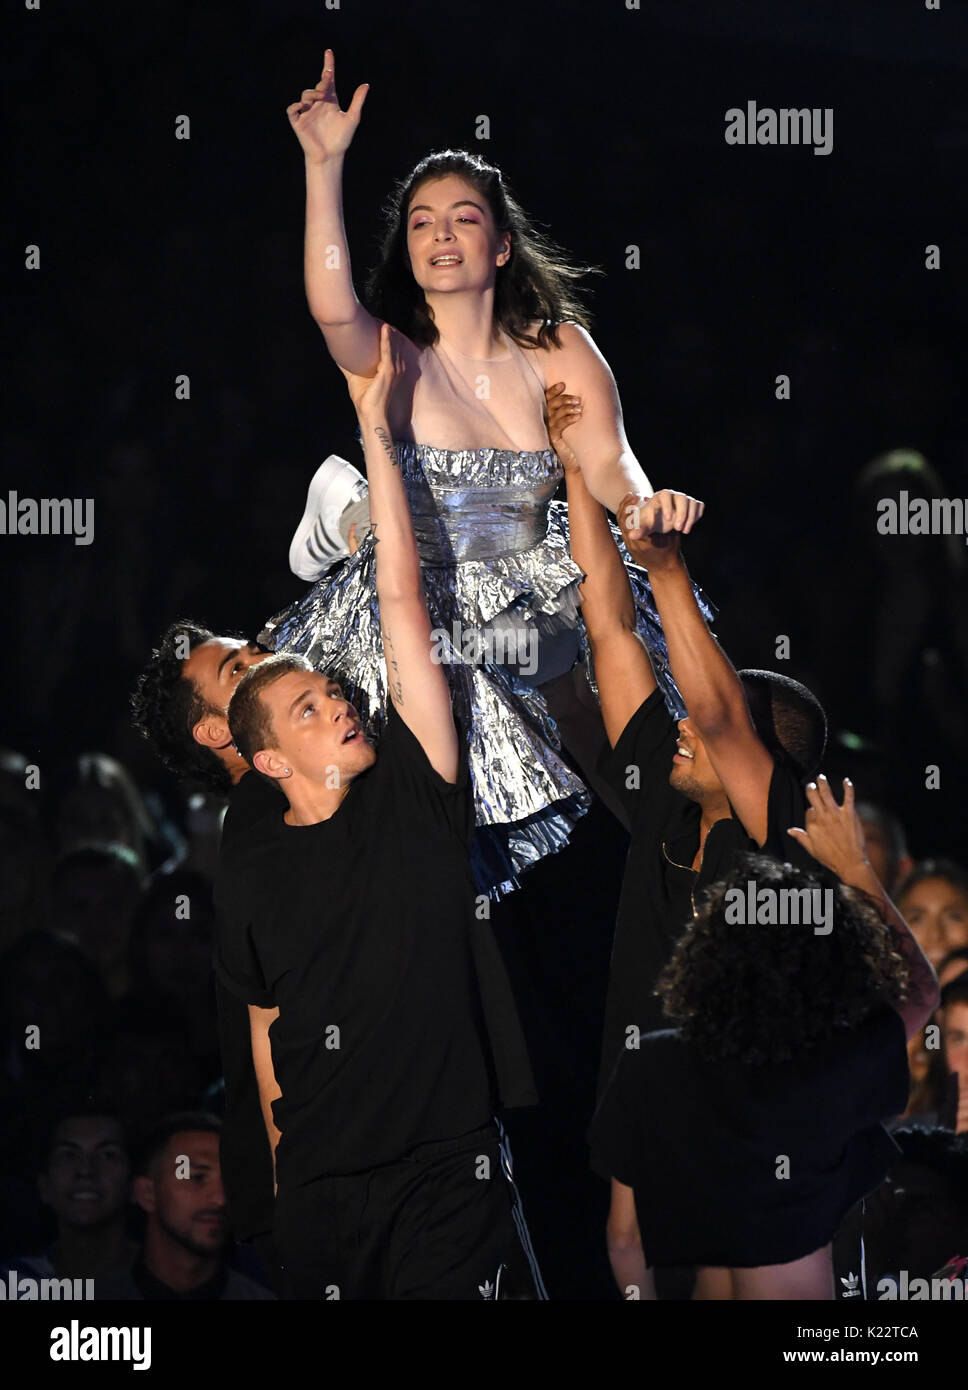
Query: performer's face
{"x": 448, "y": 218}
{"x": 318, "y": 734}
{"x": 215, "y": 668}
{"x": 692, "y": 772}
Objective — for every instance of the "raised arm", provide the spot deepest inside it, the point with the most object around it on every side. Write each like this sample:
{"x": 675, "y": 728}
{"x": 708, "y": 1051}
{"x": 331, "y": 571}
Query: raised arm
{"x": 609, "y": 467}
{"x": 835, "y": 838}
{"x": 623, "y": 671}
{"x": 325, "y": 132}
{"x": 416, "y": 682}
{"x": 712, "y": 691}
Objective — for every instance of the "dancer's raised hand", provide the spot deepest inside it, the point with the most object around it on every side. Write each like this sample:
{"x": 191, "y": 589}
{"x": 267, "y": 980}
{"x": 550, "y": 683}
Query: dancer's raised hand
{"x": 562, "y": 410}
{"x": 834, "y": 834}
{"x": 652, "y": 526}
{"x": 370, "y": 394}
{"x": 323, "y": 130}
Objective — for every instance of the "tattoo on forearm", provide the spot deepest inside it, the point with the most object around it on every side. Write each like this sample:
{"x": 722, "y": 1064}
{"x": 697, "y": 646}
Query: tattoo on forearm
{"x": 387, "y": 443}
{"x": 393, "y": 670}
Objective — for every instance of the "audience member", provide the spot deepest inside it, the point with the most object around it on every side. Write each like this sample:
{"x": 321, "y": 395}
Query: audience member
{"x": 94, "y": 893}
{"x": 178, "y": 1184}
{"x": 886, "y": 844}
{"x": 933, "y": 898}
{"x": 170, "y": 965}
{"x": 84, "y": 1177}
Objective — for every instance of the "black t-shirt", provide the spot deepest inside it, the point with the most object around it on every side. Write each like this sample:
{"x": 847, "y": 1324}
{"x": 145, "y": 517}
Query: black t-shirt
{"x": 660, "y": 890}
{"x": 245, "y": 1156}
{"x": 363, "y": 930}
{"x": 702, "y": 1143}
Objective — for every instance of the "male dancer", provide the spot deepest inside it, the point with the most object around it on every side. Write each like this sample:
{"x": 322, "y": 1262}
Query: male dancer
{"x": 181, "y": 707}
{"x": 350, "y": 930}
{"x": 726, "y": 779}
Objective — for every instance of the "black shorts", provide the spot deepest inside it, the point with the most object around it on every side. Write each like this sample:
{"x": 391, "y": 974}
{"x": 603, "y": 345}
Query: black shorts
{"x": 444, "y": 1222}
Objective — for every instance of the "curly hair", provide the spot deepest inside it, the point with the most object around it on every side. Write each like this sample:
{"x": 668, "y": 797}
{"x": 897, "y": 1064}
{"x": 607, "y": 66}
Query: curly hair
{"x": 166, "y": 706}
{"x": 250, "y": 722}
{"x": 764, "y": 994}
{"x": 536, "y": 284}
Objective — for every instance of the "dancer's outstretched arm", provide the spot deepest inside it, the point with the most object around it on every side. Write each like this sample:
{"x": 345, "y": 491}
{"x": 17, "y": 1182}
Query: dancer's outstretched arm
{"x": 835, "y": 838}
{"x": 709, "y": 685}
{"x": 417, "y": 684}
{"x": 623, "y": 671}
{"x": 324, "y": 131}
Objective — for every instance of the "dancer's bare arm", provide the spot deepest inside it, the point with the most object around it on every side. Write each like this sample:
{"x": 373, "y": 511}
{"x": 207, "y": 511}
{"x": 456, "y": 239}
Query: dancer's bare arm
{"x": 260, "y": 1020}
{"x": 712, "y": 691}
{"x": 623, "y": 671}
{"x": 598, "y": 439}
{"x": 417, "y": 684}
{"x": 835, "y": 837}
{"x": 324, "y": 131}
{"x": 625, "y": 1252}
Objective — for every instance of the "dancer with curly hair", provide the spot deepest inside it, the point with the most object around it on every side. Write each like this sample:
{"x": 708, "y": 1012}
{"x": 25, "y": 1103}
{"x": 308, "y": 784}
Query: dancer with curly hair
{"x": 745, "y": 1134}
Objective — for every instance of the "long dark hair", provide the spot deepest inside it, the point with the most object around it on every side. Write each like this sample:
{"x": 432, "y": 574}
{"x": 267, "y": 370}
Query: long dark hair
{"x": 536, "y": 283}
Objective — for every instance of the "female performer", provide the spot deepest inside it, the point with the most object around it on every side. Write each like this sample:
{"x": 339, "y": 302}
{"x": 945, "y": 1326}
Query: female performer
{"x": 489, "y": 321}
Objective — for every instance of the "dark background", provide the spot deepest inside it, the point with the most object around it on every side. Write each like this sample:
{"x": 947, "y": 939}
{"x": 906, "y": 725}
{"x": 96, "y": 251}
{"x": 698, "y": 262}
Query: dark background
{"x": 162, "y": 256}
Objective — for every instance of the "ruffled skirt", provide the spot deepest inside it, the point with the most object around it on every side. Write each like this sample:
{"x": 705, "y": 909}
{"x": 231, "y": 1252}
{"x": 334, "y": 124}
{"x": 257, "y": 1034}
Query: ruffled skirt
{"x": 527, "y": 798}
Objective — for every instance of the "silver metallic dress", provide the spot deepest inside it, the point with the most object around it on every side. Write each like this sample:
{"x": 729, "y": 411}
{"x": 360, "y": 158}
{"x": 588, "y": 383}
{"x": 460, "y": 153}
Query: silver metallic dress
{"x": 496, "y": 560}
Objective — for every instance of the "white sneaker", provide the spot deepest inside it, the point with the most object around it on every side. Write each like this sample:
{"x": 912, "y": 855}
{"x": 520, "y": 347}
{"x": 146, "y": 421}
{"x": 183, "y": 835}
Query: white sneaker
{"x": 321, "y": 539}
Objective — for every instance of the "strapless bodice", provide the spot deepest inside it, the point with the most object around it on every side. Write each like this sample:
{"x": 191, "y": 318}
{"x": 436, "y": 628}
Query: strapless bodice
{"x": 477, "y": 504}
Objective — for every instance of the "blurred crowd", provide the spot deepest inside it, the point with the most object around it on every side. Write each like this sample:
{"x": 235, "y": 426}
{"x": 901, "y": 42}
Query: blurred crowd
{"x": 110, "y": 1049}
